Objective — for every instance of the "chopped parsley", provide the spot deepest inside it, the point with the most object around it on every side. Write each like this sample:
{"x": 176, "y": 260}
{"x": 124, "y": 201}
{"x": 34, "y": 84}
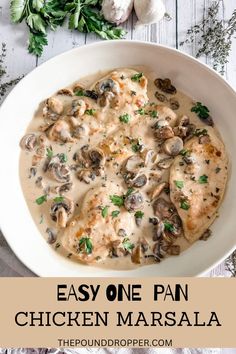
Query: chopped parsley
{"x": 90, "y": 112}
{"x": 129, "y": 191}
{"x": 179, "y": 184}
{"x": 137, "y": 77}
{"x": 117, "y": 200}
{"x": 80, "y": 93}
{"x": 139, "y": 214}
{"x": 115, "y": 213}
{"x": 125, "y": 118}
{"x": 49, "y": 153}
{"x": 136, "y": 146}
{"x": 128, "y": 246}
{"x": 63, "y": 158}
{"x": 168, "y": 226}
{"x": 41, "y": 199}
{"x": 185, "y": 152}
{"x": 105, "y": 211}
{"x": 184, "y": 205}
{"x": 201, "y": 110}
{"x": 203, "y": 179}
{"x": 153, "y": 114}
{"x": 85, "y": 245}
{"x": 141, "y": 111}
{"x": 58, "y": 199}
{"x": 200, "y": 132}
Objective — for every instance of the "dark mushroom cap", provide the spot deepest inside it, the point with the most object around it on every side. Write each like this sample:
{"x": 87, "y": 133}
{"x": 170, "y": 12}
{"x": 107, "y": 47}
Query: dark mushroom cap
{"x": 163, "y": 209}
{"x": 28, "y": 142}
{"x": 134, "y": 201}
{"x": 173, "y": 146}
{"x": 66, "y": 204}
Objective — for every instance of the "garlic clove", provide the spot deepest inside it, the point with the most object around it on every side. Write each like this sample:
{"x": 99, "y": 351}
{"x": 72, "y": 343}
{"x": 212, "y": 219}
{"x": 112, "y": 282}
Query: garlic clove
{"x": 149, "y": 11}
{"x": 117, "y": 11}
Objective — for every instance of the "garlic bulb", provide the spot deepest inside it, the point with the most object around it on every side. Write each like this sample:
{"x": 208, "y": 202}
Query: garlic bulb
{"x": 117, "y": 11}
{"x": 149, "y": 11}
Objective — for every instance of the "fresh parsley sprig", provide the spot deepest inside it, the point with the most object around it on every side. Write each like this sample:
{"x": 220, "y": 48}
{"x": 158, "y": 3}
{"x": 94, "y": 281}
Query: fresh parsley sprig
{"x": 40, "y": 15}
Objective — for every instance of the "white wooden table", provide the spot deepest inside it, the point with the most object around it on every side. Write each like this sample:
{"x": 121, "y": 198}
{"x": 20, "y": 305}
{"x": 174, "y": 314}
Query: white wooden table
{"x": 184, "y": 13}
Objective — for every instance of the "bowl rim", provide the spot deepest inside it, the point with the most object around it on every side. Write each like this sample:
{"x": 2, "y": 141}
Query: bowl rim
{"x": 107, "y": 43}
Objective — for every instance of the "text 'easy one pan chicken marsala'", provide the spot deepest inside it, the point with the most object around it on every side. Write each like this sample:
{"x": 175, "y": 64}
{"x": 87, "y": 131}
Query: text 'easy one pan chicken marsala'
{"x": 119, "y": 170}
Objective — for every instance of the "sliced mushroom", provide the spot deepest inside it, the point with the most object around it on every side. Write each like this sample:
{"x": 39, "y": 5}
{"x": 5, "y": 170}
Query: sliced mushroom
{"x": 174, "y": 104}
{"x": 66, "y": 92}
{"x": 204, "y": 139}
{"x": 158, "y": 190}
{"x": 134, "y": 201}
{"x": 86, "y": 176}
{"x": 117, "y": 250}
{"x": 122, "y": 233}
{"x": 42, "y": 139}
{"x": 165, "y": 85}
{"x": 165, "y": 163}
{"x": 173, "y": 146}
{"x": 138, "y": 181}
{"x": 28, "y": 142}
{"x": 52, "y": 235}
{"x": 106, "y": 99}
{"x": 65, "y": 188}
{"x": 133, "y": 163}
{"x": 78, "y": 108}
{"x": 61, "y": 211}
{"x": 160, "y": 97}
{"x": 136, "y": 255}
{"x": 39, "y": 182}
{"x": 58, "y": 171}
{"x": 173, "y": 250}
{"x": 55, "y": 105}
{"x": 32, "y": 172}
{"x": 206, "y": 235}
{"x": 163, "y": 209}
{"x": 97, "y": 157}
{"x": 81, "y": 131}
{"x": 60, "y": 131}
{"x": 164, "y": 132}
{"x": 158, "y": 231}
{"x": 160, "y": 249}
{"x": 107, "y": 85}
{"x": 147, "y": 156}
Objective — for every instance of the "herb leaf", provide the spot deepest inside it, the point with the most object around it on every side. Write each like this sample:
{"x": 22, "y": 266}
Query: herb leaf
{"x": 115, "y": 213}
{"x": 41, "y": 200}
{"x": 85, "y": 245}
{"x": 90, "y": 112}
{"x": 139, "y": 214}
{"x": 17, "y": 10}
{"x": 179, "y": 184}
{"x": 137, "y": 77}
{"x": 58, "y": 199}
{"x": 36, "y": 43}
{"x": 168, "y": 226}
{"x": 105, "y": 211}
{"x": 128, "y": 246}
{"x": 184, "y": 205}
{"x": 125, "y": 118}
{"x": 49, "y": 153}
{"x": 203, "y": 179}
{"x": 200, "y": 110}
{"x": 117, "y": 200}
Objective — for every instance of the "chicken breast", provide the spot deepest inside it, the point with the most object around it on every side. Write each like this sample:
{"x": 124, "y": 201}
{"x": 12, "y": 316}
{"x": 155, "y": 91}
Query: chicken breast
{"x": 197, "y": 182}
{"x": 97, "y": 231}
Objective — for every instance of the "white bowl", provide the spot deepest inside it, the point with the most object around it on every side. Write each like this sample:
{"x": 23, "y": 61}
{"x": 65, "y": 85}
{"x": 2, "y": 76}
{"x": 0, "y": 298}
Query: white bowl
{"x": 189, "y": 75}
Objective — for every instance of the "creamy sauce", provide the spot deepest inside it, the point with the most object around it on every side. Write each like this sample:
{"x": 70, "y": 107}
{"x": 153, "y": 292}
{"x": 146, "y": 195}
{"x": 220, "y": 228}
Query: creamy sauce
{"x": 41, "y": 213}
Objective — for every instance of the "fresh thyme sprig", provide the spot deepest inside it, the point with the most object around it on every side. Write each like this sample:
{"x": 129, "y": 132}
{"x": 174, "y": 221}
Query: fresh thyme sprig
{"x": 230, "y": 264}
{"x": 213, "y": 36}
